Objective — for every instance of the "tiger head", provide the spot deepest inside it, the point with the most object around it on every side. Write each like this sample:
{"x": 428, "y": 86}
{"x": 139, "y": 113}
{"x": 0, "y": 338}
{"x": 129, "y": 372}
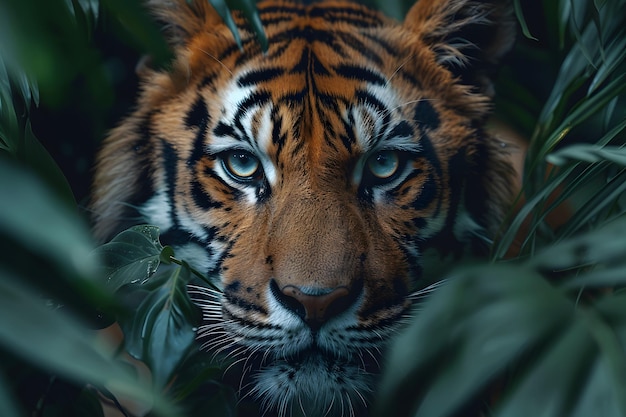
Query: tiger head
{"x": 309, "y": 178}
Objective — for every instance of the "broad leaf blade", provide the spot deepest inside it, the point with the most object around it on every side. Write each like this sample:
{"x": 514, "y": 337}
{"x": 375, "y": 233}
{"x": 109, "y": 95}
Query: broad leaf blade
{"x": 161, "y": 332}
{"x": 464, "y": 336}
{"x": 72, "y": 351}
{"x": 131, "y": 257}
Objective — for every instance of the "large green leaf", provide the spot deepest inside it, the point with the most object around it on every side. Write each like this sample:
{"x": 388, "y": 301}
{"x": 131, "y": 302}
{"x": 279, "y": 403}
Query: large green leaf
{"x": 131, "y": 257}
{"x": 553, "y": 351}
{"x": 70, "y": 349}
{"x": 161, "y": 332}
{"x": 465, "y": 335}
{"x": 35, "y": 218}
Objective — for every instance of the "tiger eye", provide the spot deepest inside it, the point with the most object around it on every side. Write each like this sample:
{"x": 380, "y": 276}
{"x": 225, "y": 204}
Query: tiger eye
{"x": 241, "y": 164}
{"x": 383, "y": 165}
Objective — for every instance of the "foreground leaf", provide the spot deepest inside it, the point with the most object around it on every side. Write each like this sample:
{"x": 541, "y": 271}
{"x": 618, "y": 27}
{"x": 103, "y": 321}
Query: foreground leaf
{"x": 131, "y": 257}
{"x": 550, "y": 349}
{"x": 72, "y": 351}
{"x": 465, "y": 335}
{"x": 161, "y": 332}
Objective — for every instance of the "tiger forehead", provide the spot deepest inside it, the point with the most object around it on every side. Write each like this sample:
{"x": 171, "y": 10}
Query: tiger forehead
{"x": 253, "y": 116}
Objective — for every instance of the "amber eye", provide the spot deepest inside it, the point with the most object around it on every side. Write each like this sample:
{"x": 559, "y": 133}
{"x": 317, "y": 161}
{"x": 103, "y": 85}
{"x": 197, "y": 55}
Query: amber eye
{"x": 241, "y": 165}
{"x": 383, "y": 165}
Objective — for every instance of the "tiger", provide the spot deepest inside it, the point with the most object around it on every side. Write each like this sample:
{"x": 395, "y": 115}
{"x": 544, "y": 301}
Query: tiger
{"x": 309, "y": 179}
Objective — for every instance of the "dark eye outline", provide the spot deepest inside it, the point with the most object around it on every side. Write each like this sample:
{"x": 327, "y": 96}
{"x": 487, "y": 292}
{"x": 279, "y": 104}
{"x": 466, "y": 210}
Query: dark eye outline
{"x": 227, "y": 159}
{"x": 372, "y": 178}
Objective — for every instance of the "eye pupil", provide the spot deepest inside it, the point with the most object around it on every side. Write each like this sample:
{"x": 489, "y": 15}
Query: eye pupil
{"x": 241, "y": 164}
{"x": 384, "y": 164}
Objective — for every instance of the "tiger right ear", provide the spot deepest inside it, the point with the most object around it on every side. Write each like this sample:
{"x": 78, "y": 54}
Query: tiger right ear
{"x": 467, "y": 36}
{"x": 182, "y": 19}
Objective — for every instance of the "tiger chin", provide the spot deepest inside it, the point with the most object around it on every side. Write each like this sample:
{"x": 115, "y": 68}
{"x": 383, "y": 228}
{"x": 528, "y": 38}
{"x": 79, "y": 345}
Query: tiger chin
{"x": 310, "y": 178}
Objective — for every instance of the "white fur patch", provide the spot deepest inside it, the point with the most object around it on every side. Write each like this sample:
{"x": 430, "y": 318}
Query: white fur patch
{"x": 157, "y": 211}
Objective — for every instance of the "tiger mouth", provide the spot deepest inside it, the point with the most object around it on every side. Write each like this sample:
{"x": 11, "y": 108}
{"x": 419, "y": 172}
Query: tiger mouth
{"x": 316, "y": 381}
{"x": 315, "y": 354}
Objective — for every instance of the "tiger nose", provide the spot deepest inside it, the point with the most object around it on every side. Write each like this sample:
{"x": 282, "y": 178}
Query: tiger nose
{"x": 317, "y": 306}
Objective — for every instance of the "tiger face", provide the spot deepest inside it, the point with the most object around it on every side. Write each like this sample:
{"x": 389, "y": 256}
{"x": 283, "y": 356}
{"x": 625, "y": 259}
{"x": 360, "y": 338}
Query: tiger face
{"x": 309, "y": 179}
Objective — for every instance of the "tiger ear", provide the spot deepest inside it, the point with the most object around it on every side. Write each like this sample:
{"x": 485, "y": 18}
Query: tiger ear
{"x": 469, "y": 37}
{"x": 179, "y": 20}
{"x": 182, "y": 19}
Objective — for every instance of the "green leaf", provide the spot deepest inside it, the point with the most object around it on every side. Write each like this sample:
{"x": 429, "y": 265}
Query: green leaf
{"x": 131, "y": 257}
{"x": 522, "y": 21}
{"x": 8, "y": 408}
{"x": 589, "y": 153}
{"x": 551, "y": 353}
{"x": 33, "y": 216}
{"x": 70, "y": 349}
{"x": 195, "y": 372}
{"x": 248, "y": 7}
{"x": 161, "y": 332}
{"x": 550, "y": 386}
{"x": 37, "y": 158}
{"x": 466, "y": 334}
{"x": 143, "y": 29}
{"x": 88, "y": 404}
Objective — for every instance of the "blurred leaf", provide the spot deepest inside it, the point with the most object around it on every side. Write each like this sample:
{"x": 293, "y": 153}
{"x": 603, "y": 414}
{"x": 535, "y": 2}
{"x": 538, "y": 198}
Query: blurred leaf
{"x": 143, "y": 30}
{"x": 561, "y": 378}
{"x": 568, "y": 357}
{"x": 72, "y": 352}
{"x": 607, "y": 244}
{"x": 89, "y": 8}
{"x": 248, "y": 7}
{"x": 193, "y": 374}
{"x": 589, "y": 153}
{"x": 36, "y": 157}
{"x": 7, "y": 406}
{"x": 35, "y": 218}
{"x": 522, "y": 21}
{"x": 466, "y": 334}
{"x": 88, "y": 404}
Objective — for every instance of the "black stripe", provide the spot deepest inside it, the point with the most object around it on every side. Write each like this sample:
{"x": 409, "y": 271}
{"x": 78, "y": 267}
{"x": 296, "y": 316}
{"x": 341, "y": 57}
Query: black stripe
{"x": 142, "y": 148}
{"x": 427, "y": 195}
{"x": 202, "y": 198}
{"x": 169, "y": 159}
{"x": 256, "y": 99}
{"x": 222, "y": 129}
{"x": 400, "y": 130}
{"x": 428, "y": 152}
{"x": 375, "y": 38}
{"x": 243, "y": 304}
{"x": 355, "y": 72}
{"x": 178, "y": 237}
{"x": 364, "y": 97}
{"x": 198, "y": 115}
{"x": 359, "y": 17}
{"x": 357, "y": 45}
{"x": 426, "y": 116}
{"x": 255, "y": 77}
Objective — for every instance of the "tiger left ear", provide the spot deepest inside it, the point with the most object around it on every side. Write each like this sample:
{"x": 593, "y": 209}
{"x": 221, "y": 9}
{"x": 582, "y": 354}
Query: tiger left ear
{"x": 469, "y": 37}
